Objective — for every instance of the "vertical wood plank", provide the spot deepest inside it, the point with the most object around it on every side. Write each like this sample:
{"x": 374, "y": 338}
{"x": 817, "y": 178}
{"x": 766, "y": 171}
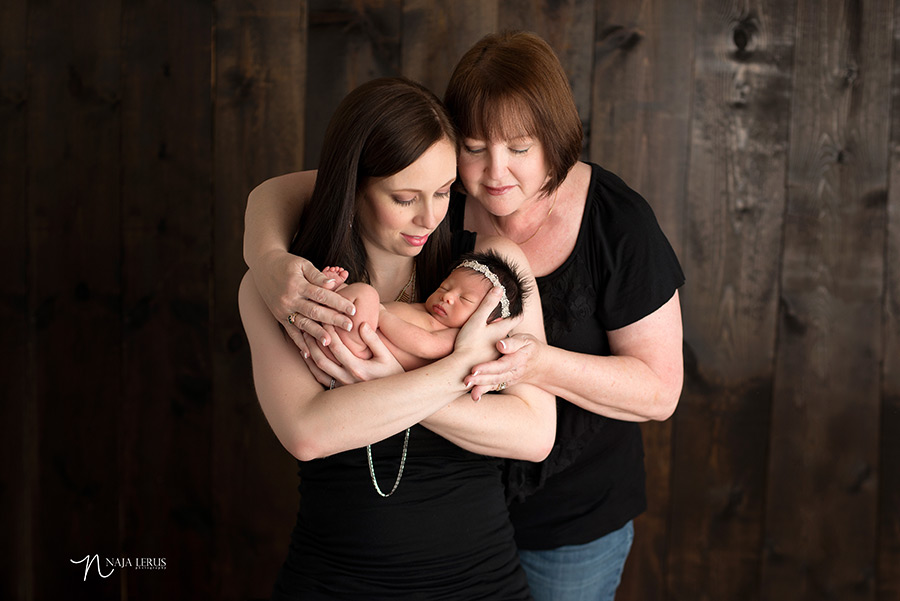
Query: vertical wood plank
{"x": 73, "y": 196}
{"x": 166, "y": 422}
{"x": 350, "y": 43}
{"x": 17, "y": 442}
{"x": 435, "y": 36}
{"x": 568, "y": 26}
{"x": 642, "y": 101}
{"x": 641, "y": 131}
{"x": 822, "y": 496}
{"x": 888, "y": 575}
{"x": 260, "y": 79}
{"x": 733, "y": 231}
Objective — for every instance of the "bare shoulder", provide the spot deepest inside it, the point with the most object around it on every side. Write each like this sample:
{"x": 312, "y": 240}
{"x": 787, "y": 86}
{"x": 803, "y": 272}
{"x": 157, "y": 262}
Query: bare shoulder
{"x": 287, "y": 183}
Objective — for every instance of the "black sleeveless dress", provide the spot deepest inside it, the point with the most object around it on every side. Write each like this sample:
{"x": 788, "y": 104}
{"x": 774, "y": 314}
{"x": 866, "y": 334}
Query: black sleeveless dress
{"x": 444, "y": 534}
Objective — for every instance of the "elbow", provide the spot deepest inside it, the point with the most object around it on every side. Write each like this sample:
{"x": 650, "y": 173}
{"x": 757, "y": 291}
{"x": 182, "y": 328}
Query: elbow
{"x": 540, "y": 445}
{"x": 665, "y": 405}
{"x": 539, "y": 453}
{"x": 304, "y": 451}
{"x": 307, "y": 450}
{"x": 306, "y": 446}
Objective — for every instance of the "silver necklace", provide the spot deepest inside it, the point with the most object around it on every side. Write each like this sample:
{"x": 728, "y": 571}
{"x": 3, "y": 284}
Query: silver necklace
{"x": 405, "y": 296}
{"x": 399, "y": 472}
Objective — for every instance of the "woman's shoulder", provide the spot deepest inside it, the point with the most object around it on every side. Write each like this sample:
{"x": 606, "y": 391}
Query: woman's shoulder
{"x": 615, "y": 207}
{"x": 501, "y": 245}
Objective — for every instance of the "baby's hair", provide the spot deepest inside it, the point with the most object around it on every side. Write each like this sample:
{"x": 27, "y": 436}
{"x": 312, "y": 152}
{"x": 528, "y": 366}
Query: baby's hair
{"x": 509, "y": 276}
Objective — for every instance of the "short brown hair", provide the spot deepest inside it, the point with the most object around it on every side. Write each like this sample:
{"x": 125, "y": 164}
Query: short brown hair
{"x": 514, "y": 80}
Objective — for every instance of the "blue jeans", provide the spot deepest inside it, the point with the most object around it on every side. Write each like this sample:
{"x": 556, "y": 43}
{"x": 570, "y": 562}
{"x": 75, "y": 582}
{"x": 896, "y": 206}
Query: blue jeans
{"x": 590, "y": 572}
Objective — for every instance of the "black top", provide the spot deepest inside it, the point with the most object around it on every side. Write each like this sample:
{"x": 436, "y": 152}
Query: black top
{"x": 445, "y": 533}
{"x": 621, "y": 269}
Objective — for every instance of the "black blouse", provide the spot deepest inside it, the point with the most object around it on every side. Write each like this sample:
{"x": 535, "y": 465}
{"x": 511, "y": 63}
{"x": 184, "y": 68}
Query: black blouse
{"x": 621, "y": 270}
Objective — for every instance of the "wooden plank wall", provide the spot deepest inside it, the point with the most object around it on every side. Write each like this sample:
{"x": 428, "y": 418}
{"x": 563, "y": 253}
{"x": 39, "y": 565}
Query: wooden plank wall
{"x": 764, "y": 133}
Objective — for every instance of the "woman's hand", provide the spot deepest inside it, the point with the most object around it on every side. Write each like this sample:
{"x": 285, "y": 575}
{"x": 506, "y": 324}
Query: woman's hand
{"x": 477, "y": 339}
{"x": 344, "y": 366}
{"x": 292, "y": 286}
{"x": 521, "y": 357}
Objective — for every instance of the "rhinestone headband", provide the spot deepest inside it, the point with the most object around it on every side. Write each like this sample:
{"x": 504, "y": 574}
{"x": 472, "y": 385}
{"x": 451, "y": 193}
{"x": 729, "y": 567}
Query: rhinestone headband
{"x": 493, "y": 279}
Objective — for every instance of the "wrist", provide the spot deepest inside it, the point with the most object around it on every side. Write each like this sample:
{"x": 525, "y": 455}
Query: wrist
{"x": 458, "y": 364}
{"x": 541, "y": 371}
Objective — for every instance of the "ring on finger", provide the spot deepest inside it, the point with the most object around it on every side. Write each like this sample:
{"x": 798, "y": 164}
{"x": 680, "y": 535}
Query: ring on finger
{"x": 292, "y": 317}
{"x": 501, "y": 386}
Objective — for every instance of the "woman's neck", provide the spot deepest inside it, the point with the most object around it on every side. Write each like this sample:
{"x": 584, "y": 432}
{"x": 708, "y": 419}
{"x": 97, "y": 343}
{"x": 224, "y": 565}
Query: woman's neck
{"x": 525, "y": 223}
{"x": 389, "y": 273}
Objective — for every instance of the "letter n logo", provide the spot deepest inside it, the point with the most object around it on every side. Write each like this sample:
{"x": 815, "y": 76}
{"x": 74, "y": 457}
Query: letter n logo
{"x": 88, "y": 560}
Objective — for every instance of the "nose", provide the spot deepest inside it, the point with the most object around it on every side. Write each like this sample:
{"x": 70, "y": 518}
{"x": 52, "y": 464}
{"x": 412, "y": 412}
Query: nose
{"x": 429, "y": 216}
{"x": 497, "y": 164}
{"x": 448, "y": 297}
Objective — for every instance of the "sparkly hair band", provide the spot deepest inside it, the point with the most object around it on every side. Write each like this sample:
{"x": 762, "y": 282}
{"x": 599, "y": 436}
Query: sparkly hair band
{"x": 493, "y": 279}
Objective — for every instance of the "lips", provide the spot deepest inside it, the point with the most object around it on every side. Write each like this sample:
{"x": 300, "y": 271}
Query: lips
{"x": 439, "y": 310}
{"x": 415, "y": 240}
{"x": 500, "y": 191}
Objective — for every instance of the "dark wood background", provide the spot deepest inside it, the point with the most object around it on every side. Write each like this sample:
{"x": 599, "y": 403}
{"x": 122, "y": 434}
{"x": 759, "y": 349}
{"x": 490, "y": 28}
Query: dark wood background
{"x": 765, "y": 134}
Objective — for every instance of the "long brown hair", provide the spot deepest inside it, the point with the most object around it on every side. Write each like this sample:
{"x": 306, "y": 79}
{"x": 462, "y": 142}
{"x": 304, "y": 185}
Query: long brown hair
{"x": 379, "y": 129}
{"x": 513, "y": 81}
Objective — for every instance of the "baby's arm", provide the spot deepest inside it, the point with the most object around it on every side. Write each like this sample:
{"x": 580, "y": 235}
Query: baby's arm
{"x": 412, "y": 345}
{"x": 395, "y": 324}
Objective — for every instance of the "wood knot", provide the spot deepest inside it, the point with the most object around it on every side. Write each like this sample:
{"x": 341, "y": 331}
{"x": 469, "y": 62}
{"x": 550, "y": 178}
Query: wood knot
{"x": 744, "y": 34}
{"x": 621, "y": 38}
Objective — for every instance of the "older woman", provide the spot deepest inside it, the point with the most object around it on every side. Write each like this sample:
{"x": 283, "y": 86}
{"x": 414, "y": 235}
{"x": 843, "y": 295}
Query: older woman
{"x": 608, "y": 282}
{"x": 415, "y": 515}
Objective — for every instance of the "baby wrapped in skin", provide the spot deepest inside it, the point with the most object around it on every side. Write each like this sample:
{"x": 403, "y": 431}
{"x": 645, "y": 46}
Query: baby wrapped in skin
{"x": 419, "y": 333}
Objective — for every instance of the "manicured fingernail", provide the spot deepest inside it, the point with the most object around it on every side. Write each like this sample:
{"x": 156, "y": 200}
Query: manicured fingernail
{"x": 305, "y": 355}
{"x": 475, "y": 373}
{"x": 352, "y": 311}
{"x": 348, "y": 326}
{"x": 469, "y": 384}
{"x": 324, "y": 341}
{"x": 503, "y": 345}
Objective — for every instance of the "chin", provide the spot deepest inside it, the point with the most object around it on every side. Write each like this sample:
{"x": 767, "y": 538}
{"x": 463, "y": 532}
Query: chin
{"x": 499, "y": 207}
{"x": 409, "y": 251}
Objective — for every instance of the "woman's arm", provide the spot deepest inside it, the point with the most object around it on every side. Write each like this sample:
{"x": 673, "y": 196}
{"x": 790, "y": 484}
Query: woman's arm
{"x": 311, "y": 422}
{"x": 641, "y": 381}
{"x": 288, "y": 283}
{"x": 501, "y": 424}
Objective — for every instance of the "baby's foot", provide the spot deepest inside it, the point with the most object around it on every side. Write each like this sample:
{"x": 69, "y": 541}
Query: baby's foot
{"x": 337, "y": 273}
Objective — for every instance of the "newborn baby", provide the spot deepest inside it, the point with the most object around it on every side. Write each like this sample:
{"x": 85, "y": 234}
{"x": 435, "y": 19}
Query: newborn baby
{"x": 419, "y": 333}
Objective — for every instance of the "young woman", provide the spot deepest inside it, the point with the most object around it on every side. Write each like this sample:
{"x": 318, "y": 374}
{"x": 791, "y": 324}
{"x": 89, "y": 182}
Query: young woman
{"x": 608, "y": 282}
{"x": 414, "y": 516}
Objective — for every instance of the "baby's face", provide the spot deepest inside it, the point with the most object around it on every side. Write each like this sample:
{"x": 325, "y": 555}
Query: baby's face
{"x": 458, "y": 296}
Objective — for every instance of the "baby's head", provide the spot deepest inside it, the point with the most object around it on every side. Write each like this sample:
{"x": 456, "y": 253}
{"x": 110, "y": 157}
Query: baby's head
{"x": 472, "y": 277}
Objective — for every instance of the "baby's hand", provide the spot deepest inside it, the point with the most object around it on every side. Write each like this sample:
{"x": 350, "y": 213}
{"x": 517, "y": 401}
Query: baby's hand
{"x": 338, "y": 273}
